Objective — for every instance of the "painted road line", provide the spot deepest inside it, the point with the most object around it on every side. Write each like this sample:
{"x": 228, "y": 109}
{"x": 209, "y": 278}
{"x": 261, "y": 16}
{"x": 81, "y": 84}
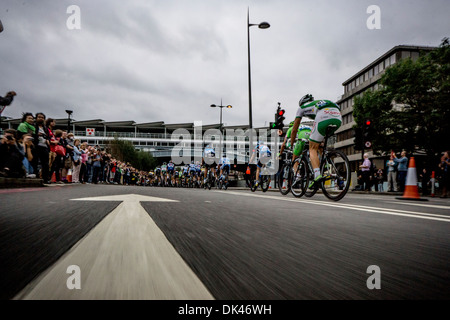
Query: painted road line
{"x": 421, "y": 205}
{"x": 125, "y": 257}
{"x": 404, "y": 213}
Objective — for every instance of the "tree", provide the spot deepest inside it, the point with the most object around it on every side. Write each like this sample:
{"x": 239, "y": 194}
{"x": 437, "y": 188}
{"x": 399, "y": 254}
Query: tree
{"x": 125, "y": 151}
{"x": 411, "y": 111}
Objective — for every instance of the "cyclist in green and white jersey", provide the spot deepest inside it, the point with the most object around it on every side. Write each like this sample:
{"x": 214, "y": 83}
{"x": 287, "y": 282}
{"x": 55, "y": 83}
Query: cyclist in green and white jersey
{"x": 324, "y": 113}
{"x": 303, "y": 132}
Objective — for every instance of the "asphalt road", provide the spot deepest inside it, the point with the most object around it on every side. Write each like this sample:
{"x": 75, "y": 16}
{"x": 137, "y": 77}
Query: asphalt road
{"x": 224, "y": 245}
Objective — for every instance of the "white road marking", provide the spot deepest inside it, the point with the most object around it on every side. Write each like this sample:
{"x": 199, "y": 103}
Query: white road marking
{"x": 126, "y": 256}
{"x": 409, "y": 203}
{"x": 404, "y": 213}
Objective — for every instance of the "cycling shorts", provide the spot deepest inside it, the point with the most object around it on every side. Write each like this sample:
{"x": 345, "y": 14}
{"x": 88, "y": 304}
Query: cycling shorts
{"x": 225, "y": 167}
{"x": 324, "y": 118}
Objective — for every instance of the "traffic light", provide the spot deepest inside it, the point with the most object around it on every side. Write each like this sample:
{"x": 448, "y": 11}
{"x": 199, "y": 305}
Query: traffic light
{"x": 368, "y": 133}
{"x": 279, "y": 118}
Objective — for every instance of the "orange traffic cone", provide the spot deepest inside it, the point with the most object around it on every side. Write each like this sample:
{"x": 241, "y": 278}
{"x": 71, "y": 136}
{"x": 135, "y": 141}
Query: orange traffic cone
{"x": 53, "y": 177}
{"x": 69, "y": 175}
{"x": 411, "y": 189}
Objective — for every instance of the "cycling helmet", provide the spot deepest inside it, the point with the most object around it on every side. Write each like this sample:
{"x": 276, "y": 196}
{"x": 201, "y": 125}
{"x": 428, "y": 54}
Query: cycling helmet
{"x": 291, "y": 124}
{"x": 306, "y": 98}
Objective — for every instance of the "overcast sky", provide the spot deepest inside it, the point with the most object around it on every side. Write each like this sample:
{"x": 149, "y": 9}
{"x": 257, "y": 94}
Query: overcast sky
{"x": 169, "y": 60}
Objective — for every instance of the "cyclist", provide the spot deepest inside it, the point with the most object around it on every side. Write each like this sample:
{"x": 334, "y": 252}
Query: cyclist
{"x": 176, "y": 177}
{"x": 324, "y": 113}
{"x": 158, "y": 175}
{"x": 208, "y": 163}
{"x": 198, "y": 171}
{"x": 261, "y": 152}
{"x": 164, "y": 173}
{"x": 287, "y": 141}
{"x": 171, "y": 171}
{"x": 192, "y": 171}
{"x": 225, "y": 165}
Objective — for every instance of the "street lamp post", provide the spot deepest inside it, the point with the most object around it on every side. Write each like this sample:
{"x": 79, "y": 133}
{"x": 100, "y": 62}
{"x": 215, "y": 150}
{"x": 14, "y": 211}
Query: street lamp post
{"x": 221, "y": 107}
{"x": 69, "y": 112}
{"x": 262, "y": 25}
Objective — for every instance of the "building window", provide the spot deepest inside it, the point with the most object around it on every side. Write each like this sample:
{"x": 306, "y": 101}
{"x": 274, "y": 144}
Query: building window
{"x": 375, "y": 70}
{"x": 414, "y": 55}
{"x": 392, "y": 58}
{"x": 386, "y": 63}
{"x": 370, "y": 73}
{"x": 381, "y": 67}
{"x": 406, "y": 54}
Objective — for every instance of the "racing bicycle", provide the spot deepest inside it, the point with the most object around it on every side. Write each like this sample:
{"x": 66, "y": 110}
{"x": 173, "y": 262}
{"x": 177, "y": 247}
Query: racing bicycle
{"x": 334, "y": 168}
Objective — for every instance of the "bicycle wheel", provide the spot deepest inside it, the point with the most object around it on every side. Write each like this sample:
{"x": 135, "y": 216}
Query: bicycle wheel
{"x": 299, "y": 179}
{"x": 225, "y": 180}
{"x": 337, "y": 176}
{"x": 265, "y": 183}
{"x": 284, "y": 179}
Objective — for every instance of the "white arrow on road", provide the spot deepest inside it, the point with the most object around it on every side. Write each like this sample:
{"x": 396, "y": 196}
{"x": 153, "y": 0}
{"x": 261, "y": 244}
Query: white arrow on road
{"x": 126, "y": 256}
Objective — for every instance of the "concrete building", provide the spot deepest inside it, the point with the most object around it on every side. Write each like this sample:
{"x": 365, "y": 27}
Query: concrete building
{"x": 367, "y": 78}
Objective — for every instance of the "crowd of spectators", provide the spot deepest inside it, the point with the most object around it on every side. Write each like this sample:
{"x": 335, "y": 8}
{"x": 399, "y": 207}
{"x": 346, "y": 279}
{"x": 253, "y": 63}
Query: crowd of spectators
{"x": 37, "y": 150}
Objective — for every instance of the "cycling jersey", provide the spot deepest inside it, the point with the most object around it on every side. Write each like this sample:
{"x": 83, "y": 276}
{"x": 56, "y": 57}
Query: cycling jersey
{"x": 289, "y": 132}
{"x": 264, "y": 151}
{"x": 170, "y": 167}
{"x": 164, "y": 168}
{"x": 209, "y": 153}
{"x": 225, "y": 162}
{"x": 304, "y": 132}
{"x": 324, "y": 113}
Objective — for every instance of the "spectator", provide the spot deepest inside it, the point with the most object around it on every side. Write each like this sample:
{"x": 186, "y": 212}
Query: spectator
{"x": 57, "y": 163}
{"x": 392, "y": 174}
{"x": 88, "y": 174}
{"x": 42, "y": 148}
{"x": 105, "y": 161}
{"x": 425, "y": 180}
{"x": 8, "y": 99}
{"x": 76, "y": 163}
{"x": 25, "y": 146}
{"x": 96, "y": 165}
{"x": 50, "y": 124}
{"x": 27, "y": 124}
{"x": 10, "y": 156}
{"x": 402, "y": 170}
{"x": 82, "y": 176}
{"x": 365, "y": 171}
{"x": 67, "y": 141}
{"x": 445, "y": 179}
{"x": 380, "y": 179}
